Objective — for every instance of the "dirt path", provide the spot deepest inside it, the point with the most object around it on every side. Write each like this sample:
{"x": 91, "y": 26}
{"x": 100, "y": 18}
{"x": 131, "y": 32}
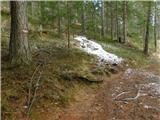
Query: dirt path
{"x": 133, "y": 95}
{"x": 89, "y": 103}
{"x": 130, "y": 95}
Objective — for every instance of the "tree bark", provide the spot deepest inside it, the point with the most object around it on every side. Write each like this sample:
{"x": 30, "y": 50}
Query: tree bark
{"x": 19, "y": 50}
{"x": 111, "y": 19}
{"x": 106, "y": 18}
{"x": 102, "y": 19}
{"x": 124, "y": 21}
{"x": 42, "y": 4}
{"x": 59, "y": 20}
{"x": 158, "y": 28}
{"x": 68, "y": 23}
{"x": 147, "y": 29}
{"x": 33, "y": 8}
{"x": 94, "y": 26}
{"x": 117, "y": 21}
{"x": 83, "y": 18}
{"x": 155, "y": 23}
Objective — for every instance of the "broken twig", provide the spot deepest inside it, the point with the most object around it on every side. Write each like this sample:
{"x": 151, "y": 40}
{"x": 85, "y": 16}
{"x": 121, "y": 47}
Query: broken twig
{"x": 30, "y": 84}
{"x": 121, "y": 94}
{"x": 34, "y": 95}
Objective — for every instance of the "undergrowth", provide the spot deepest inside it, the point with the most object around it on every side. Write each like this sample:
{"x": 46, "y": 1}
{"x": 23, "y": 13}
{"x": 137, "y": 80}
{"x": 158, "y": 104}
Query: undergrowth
{"x": 60, "y": 70}
{"x": 57, "y": 87}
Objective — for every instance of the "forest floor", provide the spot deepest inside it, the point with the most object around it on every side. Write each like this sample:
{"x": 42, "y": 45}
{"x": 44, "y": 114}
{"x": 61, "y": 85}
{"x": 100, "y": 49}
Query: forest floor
{"x": 130, "y": 95}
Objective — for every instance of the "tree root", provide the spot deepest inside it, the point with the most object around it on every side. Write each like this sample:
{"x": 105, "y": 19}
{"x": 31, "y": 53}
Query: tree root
{"x": 139, "y": 94}
{"x": 120, "y": 95}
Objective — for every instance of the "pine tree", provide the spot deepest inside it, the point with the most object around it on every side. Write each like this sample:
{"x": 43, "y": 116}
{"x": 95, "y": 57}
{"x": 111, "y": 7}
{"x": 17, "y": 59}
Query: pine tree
{"x": 147, "y": 29}
{"x": 124, "y": 21}
{"x": 19, "y": 49}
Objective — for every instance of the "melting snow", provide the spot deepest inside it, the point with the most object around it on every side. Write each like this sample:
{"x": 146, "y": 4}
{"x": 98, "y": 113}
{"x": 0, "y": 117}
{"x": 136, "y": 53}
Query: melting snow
{"x": 94, "y": 48}
{"x": 152, "y": 82}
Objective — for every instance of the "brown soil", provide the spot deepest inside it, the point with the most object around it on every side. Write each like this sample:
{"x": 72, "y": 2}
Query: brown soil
{"x": 116, "y": 99}
{"x": 133, "y": 94}
{"x": 130, "y": 95}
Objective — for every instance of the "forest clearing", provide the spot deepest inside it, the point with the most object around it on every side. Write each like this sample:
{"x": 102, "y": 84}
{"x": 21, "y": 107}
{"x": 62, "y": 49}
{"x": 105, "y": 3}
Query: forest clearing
{"x": 80, "y": 60}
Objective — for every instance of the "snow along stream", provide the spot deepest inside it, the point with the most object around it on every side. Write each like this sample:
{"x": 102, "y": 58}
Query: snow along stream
{"x": 94, "y": 48}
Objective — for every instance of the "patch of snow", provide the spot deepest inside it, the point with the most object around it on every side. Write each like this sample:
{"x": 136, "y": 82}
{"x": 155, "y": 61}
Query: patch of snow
{"x": 151, "y": 85}
{"x": 94, "y": 48}
{"x": 132, "y": 73}
{"x": 151, "y": 88}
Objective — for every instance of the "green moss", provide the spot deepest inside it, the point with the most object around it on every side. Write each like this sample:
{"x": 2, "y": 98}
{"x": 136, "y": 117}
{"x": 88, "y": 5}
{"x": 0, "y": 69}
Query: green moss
{"x": 130, "y": 54}
{"x": 63, "y": 100}
{"x": 5, "y": 15}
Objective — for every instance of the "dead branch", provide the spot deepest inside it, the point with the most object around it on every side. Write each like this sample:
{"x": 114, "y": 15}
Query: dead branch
{"x": 30, "y": 84}
{"x": 133, "y": 98}
{"x": 34, "y": 95}
{"x": 120, "y": 95}
{"x": 139, "y": 94}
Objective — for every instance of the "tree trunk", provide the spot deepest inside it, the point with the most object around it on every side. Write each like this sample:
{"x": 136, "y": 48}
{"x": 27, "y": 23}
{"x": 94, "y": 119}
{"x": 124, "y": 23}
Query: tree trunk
{"x": 102, "y": 19}
{"x": 94, "y": 21}
{"x": 155, "y": 23}
{"x": 59, "y": 20}
{"x": 147, "y": 29}
{"x": 68, "y": 24}
{"x": 33, "y": 8}
{"x": 159, "y": 28}
{"x": 95, "y": 25}
{"x": 83, "y": 18}
{"x": 144, "y": 32}
{"x": 42, "y": 4}
{"x": 111, "y": 20}
{"x": 117, "y": 21}
{"x": 124, "y": 21}
{"x": 19, "y": 49}
{"x": 106, "y": 18}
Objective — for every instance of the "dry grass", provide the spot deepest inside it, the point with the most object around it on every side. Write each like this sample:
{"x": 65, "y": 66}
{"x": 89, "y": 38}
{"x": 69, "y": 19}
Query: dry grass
{"x": 57, "y": 85}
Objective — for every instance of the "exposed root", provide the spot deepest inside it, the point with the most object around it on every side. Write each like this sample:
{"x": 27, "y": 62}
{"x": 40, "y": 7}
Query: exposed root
{"x": 120, "y": 95}
{"x": 134, "y": 98}
{"x": 139, "y": 94}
